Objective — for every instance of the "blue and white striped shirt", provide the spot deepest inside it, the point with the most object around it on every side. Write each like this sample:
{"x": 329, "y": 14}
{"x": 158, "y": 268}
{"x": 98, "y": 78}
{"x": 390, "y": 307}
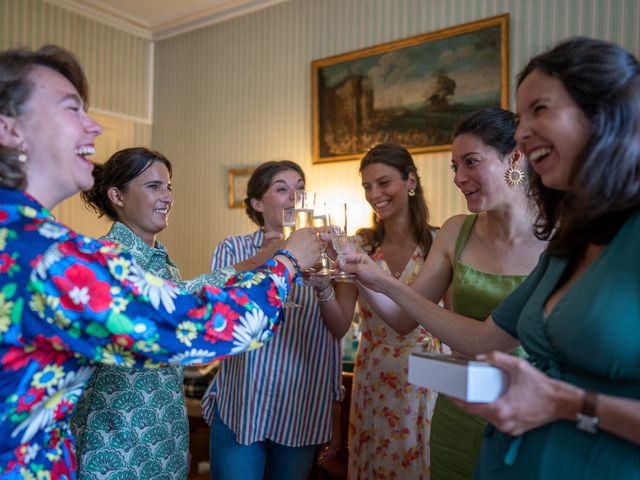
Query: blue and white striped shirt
{"x": 284, "y": 391}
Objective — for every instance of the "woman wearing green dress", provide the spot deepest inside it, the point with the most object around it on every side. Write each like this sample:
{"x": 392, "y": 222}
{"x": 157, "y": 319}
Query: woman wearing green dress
{"x": 479, "y": 259}
{"x": 572, "y": 410}
{"x": 136, "y": 416}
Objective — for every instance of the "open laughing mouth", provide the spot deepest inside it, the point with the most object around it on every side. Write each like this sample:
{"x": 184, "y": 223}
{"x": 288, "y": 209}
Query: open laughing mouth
{"x": 85, "y": 150}
{"x": 537, "y": 155}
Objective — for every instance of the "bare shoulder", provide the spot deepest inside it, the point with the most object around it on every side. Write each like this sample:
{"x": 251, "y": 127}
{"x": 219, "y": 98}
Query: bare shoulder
{"x": 453, "y": 223}
{"x": 435, "y": 276}
{"x": 445, "y": 239}
{"x": 451, "y": 229}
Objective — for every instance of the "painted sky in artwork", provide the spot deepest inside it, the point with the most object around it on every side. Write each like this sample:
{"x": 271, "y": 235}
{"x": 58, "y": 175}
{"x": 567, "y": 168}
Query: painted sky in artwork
{"x": 405, "y": 77}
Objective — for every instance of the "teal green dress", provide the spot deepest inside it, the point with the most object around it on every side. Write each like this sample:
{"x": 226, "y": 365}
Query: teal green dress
{"x": 456, "y": 436}
{"x": 132, "y": 423}
{"x": 590, "y": 339}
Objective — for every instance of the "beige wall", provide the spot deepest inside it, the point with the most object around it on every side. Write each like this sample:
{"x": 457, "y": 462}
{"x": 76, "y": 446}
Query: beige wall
{"x": 118, "y": 64}
{"x": 238, "y": 93}
{"x": 119, "y": 68}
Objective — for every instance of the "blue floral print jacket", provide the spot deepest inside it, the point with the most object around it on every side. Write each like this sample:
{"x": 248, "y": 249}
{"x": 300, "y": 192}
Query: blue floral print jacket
{"x": 69, "y": 301}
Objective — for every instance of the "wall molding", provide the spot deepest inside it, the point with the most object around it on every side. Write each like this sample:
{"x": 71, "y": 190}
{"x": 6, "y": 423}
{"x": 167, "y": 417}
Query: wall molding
{"x": 106, "y": 16}
{"x": 220, "y": 12}
{"x": 131, "y": 118}
{"x": 211, "y": 16}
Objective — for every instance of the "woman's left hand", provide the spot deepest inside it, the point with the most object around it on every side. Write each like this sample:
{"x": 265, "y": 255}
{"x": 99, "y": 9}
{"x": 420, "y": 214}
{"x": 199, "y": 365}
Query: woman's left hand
{"x": 532, "y": 398}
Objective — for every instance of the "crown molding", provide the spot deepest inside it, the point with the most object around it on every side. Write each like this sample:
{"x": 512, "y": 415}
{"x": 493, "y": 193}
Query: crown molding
{"x": 220, "y": 12}
{"x": 214, "y": 14}
{"x": 107, "y": 16}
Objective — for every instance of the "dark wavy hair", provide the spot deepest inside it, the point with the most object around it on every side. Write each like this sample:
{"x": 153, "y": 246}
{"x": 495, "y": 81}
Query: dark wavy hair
{"x": 496, "y": 128}
{"x": 260, "y": 181}
{"x": 15, "y": 89}
{"x": 604, "y": 81}
{"x": 122, "y": 167}
{"x": 399, "y": 158}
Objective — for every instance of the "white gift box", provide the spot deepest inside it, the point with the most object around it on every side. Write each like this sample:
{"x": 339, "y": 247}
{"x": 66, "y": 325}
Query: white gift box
{"x": 467, "y": 379}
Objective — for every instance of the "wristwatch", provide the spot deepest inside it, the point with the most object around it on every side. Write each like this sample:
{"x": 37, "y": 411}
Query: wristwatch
{"x": 587, "y": 418}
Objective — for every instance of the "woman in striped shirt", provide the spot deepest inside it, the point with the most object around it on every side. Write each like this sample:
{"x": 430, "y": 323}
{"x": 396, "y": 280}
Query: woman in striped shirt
{"x": 270, "y": 409}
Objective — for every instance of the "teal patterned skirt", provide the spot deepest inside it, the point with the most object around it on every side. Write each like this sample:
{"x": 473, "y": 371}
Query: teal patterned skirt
{"x": 132, "y": 424}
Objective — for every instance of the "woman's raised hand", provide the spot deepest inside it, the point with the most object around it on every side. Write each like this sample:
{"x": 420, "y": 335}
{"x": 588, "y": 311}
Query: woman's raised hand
{"x": 365, "y": 269}
{"x": 305, "y": 246}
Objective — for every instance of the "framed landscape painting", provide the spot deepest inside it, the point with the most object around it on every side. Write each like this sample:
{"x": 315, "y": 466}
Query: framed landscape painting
{"x": 411, "y": 91}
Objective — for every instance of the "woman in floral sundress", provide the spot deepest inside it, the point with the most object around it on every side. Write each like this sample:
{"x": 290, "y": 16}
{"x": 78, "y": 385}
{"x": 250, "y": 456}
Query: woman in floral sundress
{"x": 389, "y": 418}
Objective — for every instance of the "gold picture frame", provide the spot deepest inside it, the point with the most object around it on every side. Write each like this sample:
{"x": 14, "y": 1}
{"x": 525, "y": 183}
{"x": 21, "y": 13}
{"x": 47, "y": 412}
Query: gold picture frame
{"x": 411, "y": 91}
{"x": 238, "y": 178}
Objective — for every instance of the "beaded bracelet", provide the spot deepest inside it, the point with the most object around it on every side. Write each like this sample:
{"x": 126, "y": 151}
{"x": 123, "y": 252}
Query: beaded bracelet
{"x": 292, "y": 259}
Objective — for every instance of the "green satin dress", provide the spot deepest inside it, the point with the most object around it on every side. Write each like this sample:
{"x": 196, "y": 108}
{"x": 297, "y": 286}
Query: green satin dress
{"x": 456, "y": 436}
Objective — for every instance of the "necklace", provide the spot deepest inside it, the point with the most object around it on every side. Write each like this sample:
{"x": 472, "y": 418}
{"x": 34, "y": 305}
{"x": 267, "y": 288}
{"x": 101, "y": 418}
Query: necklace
{"x": 401, "y": 259}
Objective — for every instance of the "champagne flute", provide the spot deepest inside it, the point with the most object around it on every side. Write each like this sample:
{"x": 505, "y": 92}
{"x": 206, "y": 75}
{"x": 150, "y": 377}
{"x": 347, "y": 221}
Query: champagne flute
{"x": 341, "y": 244}
{"x": 288, "y": 221}
{"x": 288, "y": 226}
{"x": 339, "y": 238}
{"x": 304, "y": 205}
{"x": 321, "y": 224}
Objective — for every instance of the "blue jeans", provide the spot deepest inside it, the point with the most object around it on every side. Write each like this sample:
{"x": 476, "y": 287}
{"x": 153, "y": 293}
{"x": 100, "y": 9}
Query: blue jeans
{"x": 267, "y": 460}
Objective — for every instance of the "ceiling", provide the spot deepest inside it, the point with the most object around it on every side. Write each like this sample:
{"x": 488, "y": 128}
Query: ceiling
{"x": 159, "y": 19}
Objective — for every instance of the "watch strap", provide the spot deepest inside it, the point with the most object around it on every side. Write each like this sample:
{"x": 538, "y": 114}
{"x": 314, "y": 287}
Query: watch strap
{"x": 587, "y": 418}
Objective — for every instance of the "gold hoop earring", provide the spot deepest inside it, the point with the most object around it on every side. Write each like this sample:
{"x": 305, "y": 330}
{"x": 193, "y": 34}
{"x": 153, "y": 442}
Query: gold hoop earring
{"x": 515, "y": 176}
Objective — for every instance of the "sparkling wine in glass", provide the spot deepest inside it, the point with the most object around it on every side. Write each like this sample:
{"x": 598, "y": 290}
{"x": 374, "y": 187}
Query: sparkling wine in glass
{"x": 342, "y": 244}
{"x": 339, "y": 238}
{"x": 340, "y": 241}
{"x": 288, "y": 221}
{"x": 321, "y": 224}
{"x": 304, "y": 218}
{"x": 304, "y": 203}
{"x": 288, "y": 226}
{"x": 320, "y": 220}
